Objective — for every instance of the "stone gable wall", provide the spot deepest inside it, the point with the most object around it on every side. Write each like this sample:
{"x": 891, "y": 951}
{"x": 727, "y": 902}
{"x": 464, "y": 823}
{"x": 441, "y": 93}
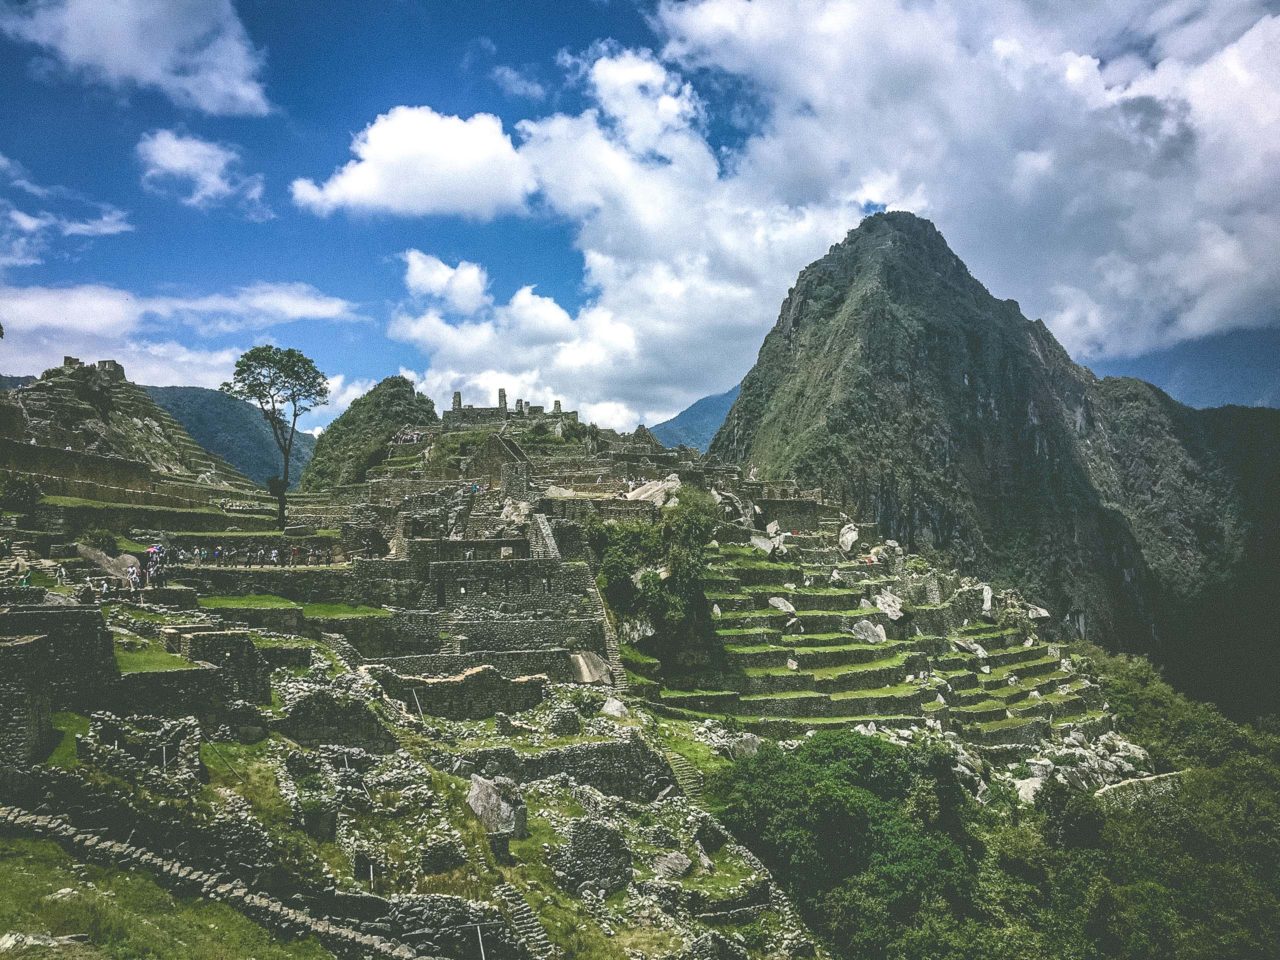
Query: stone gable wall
{"x": 25, "y": 727}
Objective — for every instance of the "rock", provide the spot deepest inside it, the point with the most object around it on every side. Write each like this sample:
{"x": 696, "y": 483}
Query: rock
{"x": 499, "y": 806}
{"x": 1028, "y": 788}
{"x": 792, "y": 665}
{"x": 868, "y": 632}
{"x": 848, "y": 536}
{"x": 779, "y": 603}
{"x": 773, "y": 528}
{"x": 743, "y": 745}
{"x": 1037, "y": 613}
{"x": 589, "y": 667}
{"x": 890, "y": 604}
{"x": 613, "y": 707}
{"x": 672, "y": 866}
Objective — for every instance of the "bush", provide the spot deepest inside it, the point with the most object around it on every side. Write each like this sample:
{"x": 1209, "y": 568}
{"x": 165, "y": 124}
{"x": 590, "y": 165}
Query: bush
{"x": 18, "y": 492}
{"x": 100, "y": 539}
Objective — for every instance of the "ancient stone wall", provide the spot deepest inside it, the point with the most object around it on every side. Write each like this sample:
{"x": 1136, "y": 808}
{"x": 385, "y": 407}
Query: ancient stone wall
{"x": 544, "y": 634}
{"x": 245, "y": 674}
{"x": 174, "y": 693}
{"x": 81, "y": 658}
{"x": 473, "y": 694}
{"x": 25, "y": 727}
{"x": 627, "y": 768}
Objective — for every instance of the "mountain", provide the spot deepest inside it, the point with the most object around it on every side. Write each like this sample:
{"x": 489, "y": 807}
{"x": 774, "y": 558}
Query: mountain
{"x": 13, "y": 383}
{"x": 234, "y": 430}
{"x": 696, "y": 424}
{"x": 896, "y": 381}
{"x": 94, "y": 408}
{"x": 358, "y": 439}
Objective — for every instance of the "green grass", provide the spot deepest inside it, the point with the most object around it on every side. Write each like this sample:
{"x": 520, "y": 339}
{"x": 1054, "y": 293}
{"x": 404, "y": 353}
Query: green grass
{"x": 256, "y": 601}
{"x": 150, "y": 660}
{"x": 326, "y": 611}
{"x": 123, "y": 915}
{"x": 66, "y": 726}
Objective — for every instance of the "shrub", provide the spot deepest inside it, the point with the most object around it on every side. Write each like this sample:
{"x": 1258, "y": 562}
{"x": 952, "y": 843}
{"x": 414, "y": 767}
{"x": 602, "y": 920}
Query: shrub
{"x": 100, "y": 539}
{"x": 18, "y": 492}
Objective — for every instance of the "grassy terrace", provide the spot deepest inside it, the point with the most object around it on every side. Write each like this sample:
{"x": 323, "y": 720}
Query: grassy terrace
{"x": 269, "y": 601}
{"x": 150, "y": 659}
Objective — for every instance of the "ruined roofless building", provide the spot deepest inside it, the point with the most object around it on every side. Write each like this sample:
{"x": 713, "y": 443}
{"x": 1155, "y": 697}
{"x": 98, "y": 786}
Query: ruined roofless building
{"x": 460, "y": 417}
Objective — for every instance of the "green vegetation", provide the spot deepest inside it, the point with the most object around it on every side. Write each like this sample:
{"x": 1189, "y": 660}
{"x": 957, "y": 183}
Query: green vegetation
{"x": 339, "y": 611}
{"x": 357, "y": 440}
{"x": 888, "y": 859}
{"x": 655, "y": 571}
{"x": 122, "y": 915}
{"x": 233, "y": 430}
{"x": 103, "y": 540}
{"x": 257, "y": 601}
{"x": 66, "y": 726}
{"x": 18, "y": 492}
{"x": 149, "y": 659}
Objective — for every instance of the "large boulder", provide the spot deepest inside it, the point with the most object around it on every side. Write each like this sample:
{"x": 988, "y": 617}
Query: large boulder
{"x": 848, "y": 536}
{"x": 499, "y": 806}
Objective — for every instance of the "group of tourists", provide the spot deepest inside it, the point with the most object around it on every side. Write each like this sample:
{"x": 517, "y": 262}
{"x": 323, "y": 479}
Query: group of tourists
{"x": 294, "y": 556}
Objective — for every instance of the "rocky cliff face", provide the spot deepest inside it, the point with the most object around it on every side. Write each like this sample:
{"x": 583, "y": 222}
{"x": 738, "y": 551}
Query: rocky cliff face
{"x": 358, "y": 439}
{"x": 895, "y": 380}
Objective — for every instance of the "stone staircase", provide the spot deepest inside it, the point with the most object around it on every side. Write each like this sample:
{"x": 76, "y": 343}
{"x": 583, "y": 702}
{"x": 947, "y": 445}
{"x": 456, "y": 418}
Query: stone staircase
{"x": 688, "y": 777}
{"x": 524, "y": 923}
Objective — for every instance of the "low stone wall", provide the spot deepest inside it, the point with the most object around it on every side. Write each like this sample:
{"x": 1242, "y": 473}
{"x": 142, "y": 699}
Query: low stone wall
{"x": 322, "y": 717}
{"x": 404, "y": 632}
{"x": 275, "y": 619}
{"x": 245, "y": 673}
{"x": 25, "y": 727}
{"x": 546, "y": 634}
{"x": 195, "y": 689}
{"x": 628, "y": 768}
{"x": 80, "y": 656}
{"x": 474, "y": 694}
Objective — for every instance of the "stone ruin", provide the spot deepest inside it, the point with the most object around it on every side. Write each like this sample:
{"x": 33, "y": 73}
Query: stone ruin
{"x": 434, "y": 641}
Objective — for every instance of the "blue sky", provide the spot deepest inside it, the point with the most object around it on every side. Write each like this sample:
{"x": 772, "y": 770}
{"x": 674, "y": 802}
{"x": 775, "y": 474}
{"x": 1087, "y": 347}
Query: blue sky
{"x": 607, "y": 201}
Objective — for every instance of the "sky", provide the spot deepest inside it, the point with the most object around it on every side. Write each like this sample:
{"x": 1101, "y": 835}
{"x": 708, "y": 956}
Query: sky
{"x": 605, "y": 201}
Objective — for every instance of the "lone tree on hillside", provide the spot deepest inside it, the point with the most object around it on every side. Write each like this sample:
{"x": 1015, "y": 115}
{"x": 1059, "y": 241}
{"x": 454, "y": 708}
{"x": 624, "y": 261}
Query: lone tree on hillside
{"x": 284, "y": 384}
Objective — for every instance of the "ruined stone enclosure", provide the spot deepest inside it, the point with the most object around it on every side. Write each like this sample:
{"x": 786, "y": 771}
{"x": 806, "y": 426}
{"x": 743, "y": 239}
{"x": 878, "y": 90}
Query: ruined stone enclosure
{"x": 408, "y": 722}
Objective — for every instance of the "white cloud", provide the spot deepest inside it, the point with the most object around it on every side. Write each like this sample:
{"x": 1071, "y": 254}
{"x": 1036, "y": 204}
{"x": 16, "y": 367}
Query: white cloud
{"x": 97, "y": 321}
{"x": 208, "y": 173}
{"x": 195, "y": 52}
{"x": 343, "y": 391}
{"x": 517, "y": 84}
{"x": 464, "y": 287}
{"x": 1114, "y": 166}
{"x": 413, "y": 161}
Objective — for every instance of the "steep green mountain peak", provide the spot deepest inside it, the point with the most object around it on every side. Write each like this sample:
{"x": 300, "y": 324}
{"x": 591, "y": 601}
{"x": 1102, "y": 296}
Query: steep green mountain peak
{"x": 358, "y": 439}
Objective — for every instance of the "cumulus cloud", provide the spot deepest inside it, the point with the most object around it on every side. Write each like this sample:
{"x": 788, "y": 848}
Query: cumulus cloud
{"x": 414, "y": 161}
{"x": 1114, "y": 166}
{"x": 207, "y": 174}
{"x": 195, "y": 52}
{"x": 464, "y": 287}
{"x": 42, "y": 324}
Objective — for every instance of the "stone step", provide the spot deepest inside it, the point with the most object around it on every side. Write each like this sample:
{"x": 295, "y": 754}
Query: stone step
{"x": 688, "y": 777}
{"x": 525, "y": 923}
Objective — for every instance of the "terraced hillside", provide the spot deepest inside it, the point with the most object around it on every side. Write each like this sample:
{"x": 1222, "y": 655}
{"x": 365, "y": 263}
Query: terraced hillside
{"x": 820, "y": 638}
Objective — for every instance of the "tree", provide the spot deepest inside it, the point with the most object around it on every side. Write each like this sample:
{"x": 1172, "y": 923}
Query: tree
{"x": 284, "y": 384}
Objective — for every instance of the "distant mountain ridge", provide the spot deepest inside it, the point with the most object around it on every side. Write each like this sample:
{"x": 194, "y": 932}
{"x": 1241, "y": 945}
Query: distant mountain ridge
{"x": 696, "y": 424}
{"x": 234, "y": 430}
{"x": 897, "y": 382}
